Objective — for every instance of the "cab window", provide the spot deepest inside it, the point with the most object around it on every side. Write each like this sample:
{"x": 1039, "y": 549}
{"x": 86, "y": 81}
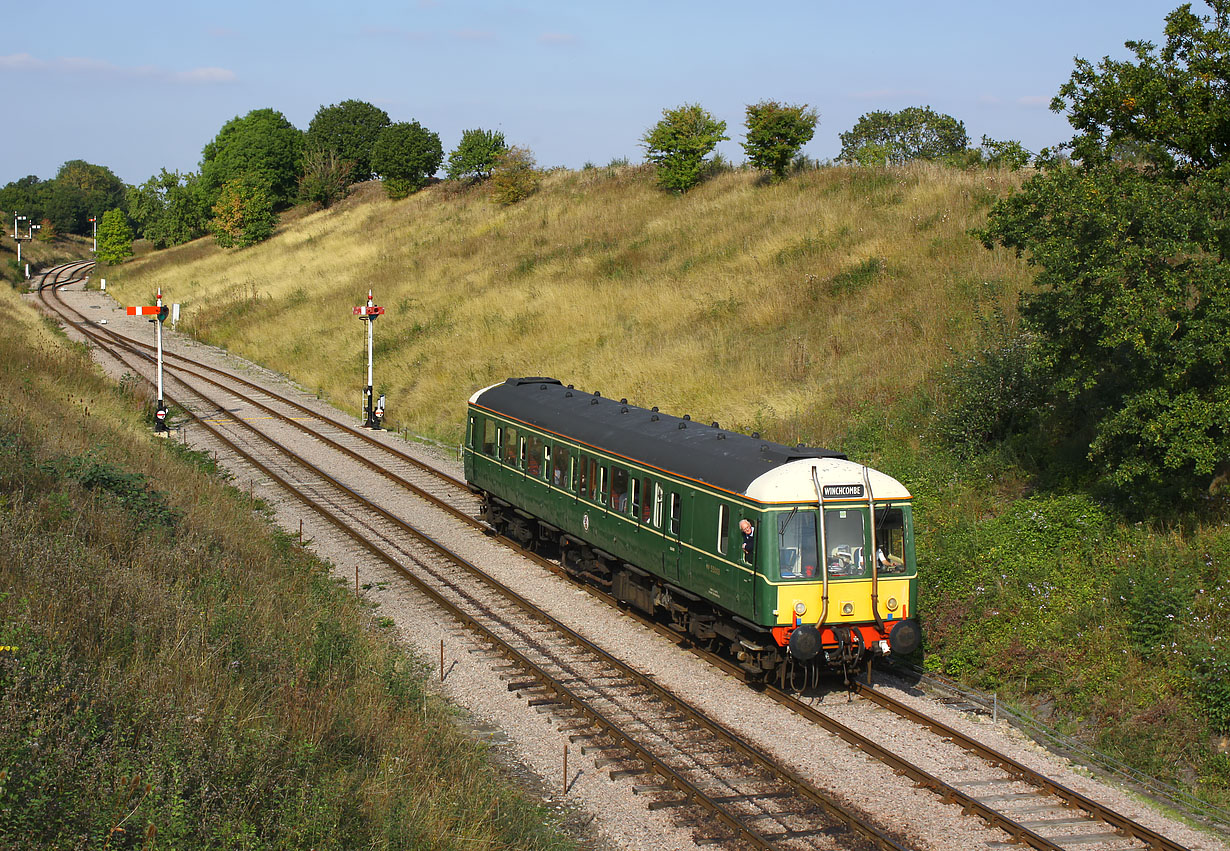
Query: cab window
{"x": 890, "y": 540}
{"x": 844, "y": 540}
{"x": 796, "y": 545}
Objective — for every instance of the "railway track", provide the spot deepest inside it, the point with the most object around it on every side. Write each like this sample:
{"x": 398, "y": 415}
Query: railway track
{"x": 1029, "y": 807}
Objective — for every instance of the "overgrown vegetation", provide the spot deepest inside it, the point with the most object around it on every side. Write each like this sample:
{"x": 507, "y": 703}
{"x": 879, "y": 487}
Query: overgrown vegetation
{"x": 178, "y": 675}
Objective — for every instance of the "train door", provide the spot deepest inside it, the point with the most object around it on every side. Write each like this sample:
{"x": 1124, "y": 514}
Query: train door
{"x": 663, "y": 506}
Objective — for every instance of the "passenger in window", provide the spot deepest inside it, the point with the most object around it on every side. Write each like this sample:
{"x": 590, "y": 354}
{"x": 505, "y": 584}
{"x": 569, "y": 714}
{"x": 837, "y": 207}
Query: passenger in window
{"x": 749, "y": 540}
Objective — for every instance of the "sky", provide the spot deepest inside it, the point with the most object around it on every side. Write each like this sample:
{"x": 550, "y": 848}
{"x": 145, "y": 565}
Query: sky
{"x": 140, "y": 86}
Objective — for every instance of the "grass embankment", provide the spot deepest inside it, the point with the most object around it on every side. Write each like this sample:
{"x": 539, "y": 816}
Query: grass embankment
{"x": 822, "y": 309}
{"x": 177, "y": 674}
{"x": 39, "y": 254}
{"x": 753, "y": 305}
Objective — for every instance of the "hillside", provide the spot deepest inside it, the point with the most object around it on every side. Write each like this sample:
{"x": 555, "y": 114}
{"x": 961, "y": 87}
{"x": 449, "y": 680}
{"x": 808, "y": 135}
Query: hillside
{"x": 764, "y": 307}
{"x": 824, "y": 310}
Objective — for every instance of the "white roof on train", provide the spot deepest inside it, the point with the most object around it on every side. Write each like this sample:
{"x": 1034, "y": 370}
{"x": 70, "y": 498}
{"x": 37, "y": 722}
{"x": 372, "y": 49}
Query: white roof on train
{"x": 842, "y": 481}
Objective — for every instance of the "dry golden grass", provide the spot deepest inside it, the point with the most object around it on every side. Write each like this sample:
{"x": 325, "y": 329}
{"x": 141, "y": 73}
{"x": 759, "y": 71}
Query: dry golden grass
{"x": 770, "y": 307}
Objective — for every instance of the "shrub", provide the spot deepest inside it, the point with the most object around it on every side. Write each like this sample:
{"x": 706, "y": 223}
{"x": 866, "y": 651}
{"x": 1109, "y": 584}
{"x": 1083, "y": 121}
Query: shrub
{"x": 679, "y": 143}
{"x": 515, "y": 177}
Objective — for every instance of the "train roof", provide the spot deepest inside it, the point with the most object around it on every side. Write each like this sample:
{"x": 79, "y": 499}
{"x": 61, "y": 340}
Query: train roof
{"x": 739, "y": 463}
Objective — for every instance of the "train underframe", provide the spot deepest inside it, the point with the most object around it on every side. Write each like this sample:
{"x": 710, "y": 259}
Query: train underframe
{"x": 753, "y": 648}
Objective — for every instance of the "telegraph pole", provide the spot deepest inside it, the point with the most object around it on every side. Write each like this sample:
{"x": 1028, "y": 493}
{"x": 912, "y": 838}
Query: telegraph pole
{"x": 372, "y": 413}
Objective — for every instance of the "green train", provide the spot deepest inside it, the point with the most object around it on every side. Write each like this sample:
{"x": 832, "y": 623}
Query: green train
{"x": 719, "y": 534}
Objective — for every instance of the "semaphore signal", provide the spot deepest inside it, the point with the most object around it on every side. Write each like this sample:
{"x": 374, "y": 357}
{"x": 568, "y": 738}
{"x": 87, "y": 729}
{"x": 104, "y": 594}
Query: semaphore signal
{"x": 372, "y": 413}
{"x": 159, "y": 311}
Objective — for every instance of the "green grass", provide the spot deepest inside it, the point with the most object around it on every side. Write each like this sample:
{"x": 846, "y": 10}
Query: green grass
{"x": 182, "y": 675}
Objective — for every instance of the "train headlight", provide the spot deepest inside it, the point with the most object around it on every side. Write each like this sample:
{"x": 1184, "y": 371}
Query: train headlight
{"x": 847, "y": 609}
{"x": 891, "y": 604}
{"x": 800, "y": 608}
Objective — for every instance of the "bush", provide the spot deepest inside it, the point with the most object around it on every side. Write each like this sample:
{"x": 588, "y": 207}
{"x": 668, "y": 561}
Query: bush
{"x": 406, "y": 155}
{"x": 515, "y": 177}
{"x": 679, "y": 143}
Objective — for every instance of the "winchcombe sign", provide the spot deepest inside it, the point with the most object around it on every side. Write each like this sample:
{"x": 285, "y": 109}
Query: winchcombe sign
{"x": 843, "y": 491}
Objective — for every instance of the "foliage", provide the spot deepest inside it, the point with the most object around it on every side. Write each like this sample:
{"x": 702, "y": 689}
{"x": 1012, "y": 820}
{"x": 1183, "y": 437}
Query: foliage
{"x": 897, "y": 137}
{"x": 406, "y": 156}
{"x": 515, "y": 176}
{"x": 260, "y": 147}
{"x": 114, "y": 238}
{"x": 1132, "y": 303}
{"x": 1009, "y": 154}
{"x": 476, "y": 154}
{"x": 993, "y": 392}
{"x": 348, "y": 130}
{"x": 26, "y": 197}
{"x": 243, "y": 214}
{"x": 325, "y": 176}
{"x": 775, "y": 133}
{"x": 679, "y": 143}
{"x": 169, "y": 208}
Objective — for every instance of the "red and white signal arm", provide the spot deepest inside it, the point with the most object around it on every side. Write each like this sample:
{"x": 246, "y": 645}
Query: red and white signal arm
{"x": 145, "y": 310}
{"x": 161, "y": 413}
{"x": 366, "y": 310}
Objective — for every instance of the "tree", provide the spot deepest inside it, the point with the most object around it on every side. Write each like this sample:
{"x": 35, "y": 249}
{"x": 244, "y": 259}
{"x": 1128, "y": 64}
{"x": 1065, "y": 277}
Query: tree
{"x": 476, "y": 154}
{"x": 913, "y": 133}
{"x": 514, "y": 177}
{"x": 679, "y": 143}
{"x": 325, "y": 176}
{"x": 168, "y": 209}
{"x": 349, "y": 131}
{"x": 775, "y": 133}
{"x": 114, "y": 238}
{"x": 1132, "y": 300}
{"x": 243, "y": 214}
{"x": 27, "y": 196}
{"x": 1009, "y": 154}
{"x": 262, "y": 146}
{"x": 406, "y": 156}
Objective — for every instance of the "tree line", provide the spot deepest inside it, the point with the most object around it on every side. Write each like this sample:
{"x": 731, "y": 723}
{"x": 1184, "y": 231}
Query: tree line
{"x": 260, "y": 164}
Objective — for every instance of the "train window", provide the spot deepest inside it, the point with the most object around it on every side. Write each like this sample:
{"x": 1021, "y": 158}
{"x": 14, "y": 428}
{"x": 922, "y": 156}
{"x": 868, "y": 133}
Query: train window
{"x": 723, "y": 530}
{"x": 796, "y": 545}
{"x": 636, "y": 497}
{"x": 584, "y": 476}
{"x": 645, "y": 491}
{"x": 534, "y": 455}
{"x": 559, "y": 470}
{"x": 619, "y": 489}
{"x": 890, "y": 540}
{"x": 470, "y": 434}
{"x": 601, "y": 494}
{"x": 573, "y": 466}
{"x": 657, "y": 505}
{"x": 676, "y": 513}
{"x": 521, "y": 453}
{"x": 546, "y": 462}
{"x": 844, "y": 539}
{"x": 509, "y": 450}
{"x": 491, "y": 438}
{"x": 594, "y": 489}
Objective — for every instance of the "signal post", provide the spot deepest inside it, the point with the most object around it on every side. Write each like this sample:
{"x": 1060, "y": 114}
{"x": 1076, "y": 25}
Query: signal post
{"x": 372, "y": 413}
{"x": 159, "y": 311}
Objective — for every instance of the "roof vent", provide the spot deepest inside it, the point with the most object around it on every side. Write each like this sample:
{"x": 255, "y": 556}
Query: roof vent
{"x": 715, "y": 425}
{"x": 721, "y": 435}
{"x": 597, "y": 395}
{"x": 764, "y": 447}
{"x": 687, "y": 417}
{"x": 756, "y": 435}
{"x": 593, "y": 401}
{"x": 570, "y": 387}
{"x": 654, "y": 409}
{"x": 568, "y": 395}
{"x": 542, "y": 387}
{"x": 653, "y": 418}
{"x": 798, "y": 446}
{"x": 683, "y": 425}
{"x": 624, "y": 409}
{"x": 623, "y": 401}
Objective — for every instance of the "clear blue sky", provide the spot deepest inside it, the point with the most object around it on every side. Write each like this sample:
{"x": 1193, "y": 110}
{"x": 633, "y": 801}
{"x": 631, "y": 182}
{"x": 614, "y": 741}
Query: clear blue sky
{"x": 138, "y": 86}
